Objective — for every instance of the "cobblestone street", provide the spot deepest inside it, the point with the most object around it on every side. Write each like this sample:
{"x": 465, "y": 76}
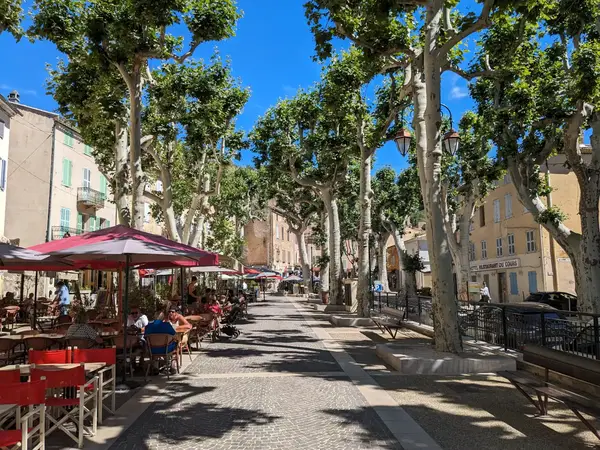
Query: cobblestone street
{"x": 275, "y": 387}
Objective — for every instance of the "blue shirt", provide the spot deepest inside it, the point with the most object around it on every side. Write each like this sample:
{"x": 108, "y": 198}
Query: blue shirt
{"x": 64, "y": 296}
{"x": 160, "y": 327}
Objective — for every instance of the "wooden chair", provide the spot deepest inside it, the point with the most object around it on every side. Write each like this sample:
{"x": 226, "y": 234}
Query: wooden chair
{"x": 37, "y": 343}
{"x": 63, "y": 410}
{"x": 162, "y": 347}
{"x": 184, "y": 345}
{"x": 32, "y": 397}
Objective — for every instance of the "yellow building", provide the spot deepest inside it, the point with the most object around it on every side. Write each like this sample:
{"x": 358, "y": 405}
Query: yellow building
{"x": 512, "y": 253}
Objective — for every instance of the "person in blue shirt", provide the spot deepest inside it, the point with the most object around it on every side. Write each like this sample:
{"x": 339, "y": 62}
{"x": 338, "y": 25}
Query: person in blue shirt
{"x": 162, "y": 327}
{"x": 63, "y": 298}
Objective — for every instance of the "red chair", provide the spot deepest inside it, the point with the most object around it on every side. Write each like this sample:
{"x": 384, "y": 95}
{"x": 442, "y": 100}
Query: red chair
{"x": 9, "y": 377}
{"x": 25, "y": 436}
{"x": 108, "y": 375}
{"x": 49, "y": 356}
{"x": 64, "y": 409}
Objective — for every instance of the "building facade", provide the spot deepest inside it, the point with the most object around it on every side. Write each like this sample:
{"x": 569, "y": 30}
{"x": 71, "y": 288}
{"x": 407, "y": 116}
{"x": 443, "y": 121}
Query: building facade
{"x": 513, "y": 254}
{"x": 415, "y": 242}
{"x": 7, "y": 113}
{"x": 57, "y": 188}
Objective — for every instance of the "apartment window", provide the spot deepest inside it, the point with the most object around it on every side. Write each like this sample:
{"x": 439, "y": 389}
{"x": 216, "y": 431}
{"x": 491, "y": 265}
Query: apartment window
{"x": 65, "y": 218}
{"x": 508, "y": 205}
{"x": 514, "y": 288}
{"x": 68, "y": 138}
{"x": 288, "y": 235}
{"x": 103, "y": 184}
{"x": 507, "y": 179}
{"x": 159, "y": 186}
{"x": 79, "y": 221}
{"x": 87, "y": 150}
{"x": 67, "y": 168}
{"x": 511, "y": 244}
{"x": 499, "y": 247}
{"x": 530, "y": 239}
{"x": 277, "y": 232}
{"x": 2, "y": 125}
{"x": 92, "y": 223}
{"x": 532, "y": 277}
{"x": 87, "y": 178}
{"x": 471, "y": 251}
{"x": 3, "y": 163}
{"x": 483, "y": 250}
{"x": 497, "y": 210}
{"x": 147, "y": 212}
{"x": 482, "y": 216}
{"x": 282, "y": 233}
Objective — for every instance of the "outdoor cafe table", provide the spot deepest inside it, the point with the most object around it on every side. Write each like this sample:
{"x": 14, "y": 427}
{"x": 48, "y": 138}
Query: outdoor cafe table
{"x": 25, "y": 369}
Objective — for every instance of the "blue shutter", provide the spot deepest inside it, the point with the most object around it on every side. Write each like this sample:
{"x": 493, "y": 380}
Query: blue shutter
{"x": 79, "y": 222}
{"x": 514, "y": 288}
{"x": 3, "y": 175}
{"x": 532, "y": 281}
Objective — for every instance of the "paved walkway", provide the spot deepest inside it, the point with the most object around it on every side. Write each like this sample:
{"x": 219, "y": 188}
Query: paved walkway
{"x": 275, "y": 387}
{"x": 292, "y": 381}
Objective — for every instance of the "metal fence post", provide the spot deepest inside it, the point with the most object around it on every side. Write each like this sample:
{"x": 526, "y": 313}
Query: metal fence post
{"x": 504, "y": 329}
{"x": 596, "y": 338}
{"x": 543, "y": 325}
{"x": 419, "y": 308}
{"x": 406, "y": 307}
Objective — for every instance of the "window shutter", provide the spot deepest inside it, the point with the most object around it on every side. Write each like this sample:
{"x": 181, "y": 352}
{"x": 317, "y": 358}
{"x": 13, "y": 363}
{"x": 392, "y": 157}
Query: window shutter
{"x": 107, "y": 224}
{"x": 3, "y": 175}
{"x": 70, "y": 172}
{"x": 514, "y": 288}
{"x": 103, "y": 184}
{"x": 532, "y": 281}
{"x": 1, "y": 129}
{"x": 79, "y": 222}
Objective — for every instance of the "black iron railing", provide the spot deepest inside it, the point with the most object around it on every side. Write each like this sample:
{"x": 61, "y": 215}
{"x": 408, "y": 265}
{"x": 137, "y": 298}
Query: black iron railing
{"x": 60, "y": 232}
{"x": 507, "y": 326}
{"x": 90, "y": 197}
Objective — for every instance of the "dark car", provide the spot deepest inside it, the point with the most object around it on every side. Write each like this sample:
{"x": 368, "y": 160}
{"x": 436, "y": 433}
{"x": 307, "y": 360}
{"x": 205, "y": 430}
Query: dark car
{"x": 559, "y": 300}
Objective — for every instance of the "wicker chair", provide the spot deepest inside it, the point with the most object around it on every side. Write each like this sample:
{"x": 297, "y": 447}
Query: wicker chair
{"x": 158, "y": 349}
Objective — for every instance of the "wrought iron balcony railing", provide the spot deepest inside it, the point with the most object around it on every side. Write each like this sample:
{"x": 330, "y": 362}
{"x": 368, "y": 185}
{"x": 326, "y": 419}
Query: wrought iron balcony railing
{"x": 60, "y": 232}
{"x": 90, "y": 197}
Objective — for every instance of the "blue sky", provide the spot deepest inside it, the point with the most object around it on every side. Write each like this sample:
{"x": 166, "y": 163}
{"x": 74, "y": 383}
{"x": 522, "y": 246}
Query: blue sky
{"x": 272, "y": 53}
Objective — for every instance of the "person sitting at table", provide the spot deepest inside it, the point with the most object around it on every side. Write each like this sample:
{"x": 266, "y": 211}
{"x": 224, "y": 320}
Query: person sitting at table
{"x": 176, "y": 319}
{"x": 80, "y": 329}
{"x": 159, "y": 326}
{"x": 136, "y": 319}
{"x": 215, "y": 307}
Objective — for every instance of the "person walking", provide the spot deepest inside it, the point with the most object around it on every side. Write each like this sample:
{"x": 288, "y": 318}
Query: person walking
{"x": 485, "y": 294}
{"x": 63, "y": 298}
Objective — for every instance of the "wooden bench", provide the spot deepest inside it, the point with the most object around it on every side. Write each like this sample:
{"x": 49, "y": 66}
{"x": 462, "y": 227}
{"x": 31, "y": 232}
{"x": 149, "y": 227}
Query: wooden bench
{"x": 574, "y": 366}
{"x": 391, "y": 322}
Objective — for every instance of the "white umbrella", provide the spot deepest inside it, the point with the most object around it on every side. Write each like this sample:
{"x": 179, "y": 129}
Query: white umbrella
{"x": 266, "y": 275}
{"x": 293, "y": 278}
{"x": 212, "y": 269}
{"x": 12, "y": 257}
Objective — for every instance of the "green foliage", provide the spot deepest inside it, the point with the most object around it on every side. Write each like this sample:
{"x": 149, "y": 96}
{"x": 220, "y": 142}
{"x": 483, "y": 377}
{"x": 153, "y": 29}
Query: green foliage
{"x": 552, "y": 215}
{"x": 11, "y": 14}
{"x": 412, "y": 263}
{"x": 348, "y": 203}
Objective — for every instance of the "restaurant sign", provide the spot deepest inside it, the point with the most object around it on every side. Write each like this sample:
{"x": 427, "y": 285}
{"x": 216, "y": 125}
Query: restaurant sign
{"x": 498, "y": 265}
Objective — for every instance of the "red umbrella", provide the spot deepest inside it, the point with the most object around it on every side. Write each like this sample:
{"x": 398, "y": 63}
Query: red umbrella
{"x": 249, "y": 271}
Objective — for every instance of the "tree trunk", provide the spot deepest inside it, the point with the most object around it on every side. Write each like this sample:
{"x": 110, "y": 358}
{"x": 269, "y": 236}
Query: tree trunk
{"x": 335, "y": 251}
{"x": 121, "y": 175}
{"x": 400, "y": 248}
{"x": 589, "y": 271}
{"x": 382, "y": 262}
{"x": 324, "y": 275}
{"x": 135, "y": 150}
{"x": 444, "y": 307}
{"x": 300, "y": 239}
{"x": 364, "y": 231}
{"x": 411, "y": 284}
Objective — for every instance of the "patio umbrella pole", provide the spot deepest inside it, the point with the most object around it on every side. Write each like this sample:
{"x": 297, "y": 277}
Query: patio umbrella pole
{"x": 182, "y": 286}
{"x": 35, "y": 298}
{"x": 124, "y": 312}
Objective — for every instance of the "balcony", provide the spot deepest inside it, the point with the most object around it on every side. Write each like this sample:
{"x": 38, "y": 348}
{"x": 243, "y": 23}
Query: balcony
{"x": 60, "y": 232}
{"x": 90, "y": 198}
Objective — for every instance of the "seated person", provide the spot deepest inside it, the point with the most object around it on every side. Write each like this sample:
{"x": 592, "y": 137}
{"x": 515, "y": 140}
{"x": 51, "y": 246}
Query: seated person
{"x": 176, "y": 319}
{"x": 136, "y": 319}
{"x": 161, "y": 327}
{"x": 215, "y": 308}
{"x": 81, "y": 330}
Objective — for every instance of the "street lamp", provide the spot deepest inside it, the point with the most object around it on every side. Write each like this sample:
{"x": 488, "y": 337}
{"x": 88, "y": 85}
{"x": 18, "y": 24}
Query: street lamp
{"x": 403, "y": 137}
{"x": 451, "y": 140}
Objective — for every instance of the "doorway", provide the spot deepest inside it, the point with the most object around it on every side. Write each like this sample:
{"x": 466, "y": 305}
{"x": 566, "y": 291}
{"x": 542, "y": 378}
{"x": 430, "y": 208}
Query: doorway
{"x": 502, "y": 287}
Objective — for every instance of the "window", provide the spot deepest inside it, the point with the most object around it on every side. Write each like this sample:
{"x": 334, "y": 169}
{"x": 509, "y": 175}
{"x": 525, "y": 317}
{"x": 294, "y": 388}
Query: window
{"x": 79, "y": 221}
{"x": 472, "y": 251}
{"x": 2, "y": 125}
{"x": 65, "y": 218}
{"x": 497, "y": 210}
{"x": 482, "y": 216}
{"x": 289, "y": 255}
{"x": 3, "y": 164}
{"x": 87, "y": 150}
{"x": 282, "y": 234}
{"x": 106, "y": 224}
{"x": 483, "y": 250}
{"x": 159, "y": 186}
{"x": 103, "y": 185}
{"x": 66, "y": 172}
{"x": 507, "y": 179}
{"x": 532, "y": 277}
{"x": 499, "y": 247}
{"x": 530, "y": 239}
{"x": 288, "y": 235}
{"x": 68, "y": 138}
{"x": 508, "y": 205}
{"x": 92, "y": 223}
{"x": 87, "y": 178}
{"x": 511, "y": 244}
{"x": 277, "y": 231}
{"x": 147, "y": 212}
{"x": 514, "y": 288}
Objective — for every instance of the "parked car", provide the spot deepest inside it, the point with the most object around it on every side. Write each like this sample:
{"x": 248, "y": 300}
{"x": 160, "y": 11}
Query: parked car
{"x": 559, "y": 300}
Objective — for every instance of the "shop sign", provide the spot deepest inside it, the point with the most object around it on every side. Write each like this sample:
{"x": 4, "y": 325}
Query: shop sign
{"x": 498, "y": 265}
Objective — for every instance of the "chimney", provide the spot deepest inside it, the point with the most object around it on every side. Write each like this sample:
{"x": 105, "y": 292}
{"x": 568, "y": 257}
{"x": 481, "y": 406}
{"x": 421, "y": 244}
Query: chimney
{"x": 14, "y": 97}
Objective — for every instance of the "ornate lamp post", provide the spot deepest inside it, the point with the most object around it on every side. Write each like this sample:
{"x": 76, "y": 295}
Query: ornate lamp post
{"x": 451, "y": 140}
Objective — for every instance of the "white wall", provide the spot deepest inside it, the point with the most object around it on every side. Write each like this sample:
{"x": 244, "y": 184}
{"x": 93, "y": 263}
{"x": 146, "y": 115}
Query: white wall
{"x": 4, "y": 156}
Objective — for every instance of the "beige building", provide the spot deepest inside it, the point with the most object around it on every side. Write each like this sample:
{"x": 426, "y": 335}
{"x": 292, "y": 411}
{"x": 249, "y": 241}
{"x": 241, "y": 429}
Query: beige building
{"x": 56, "y": 187}
{"x": 513, "y": 254}
{"x": 8, "y": 114}
{"x": 416, "y": 242}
